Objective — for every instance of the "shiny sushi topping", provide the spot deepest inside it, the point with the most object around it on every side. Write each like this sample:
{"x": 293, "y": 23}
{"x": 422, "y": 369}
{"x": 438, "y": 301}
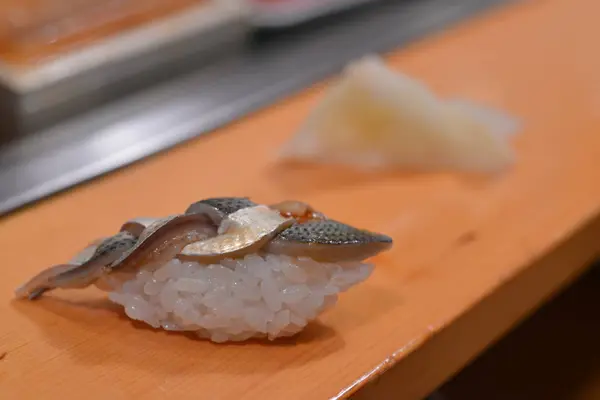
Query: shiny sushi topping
{"x": 211, "y": 231}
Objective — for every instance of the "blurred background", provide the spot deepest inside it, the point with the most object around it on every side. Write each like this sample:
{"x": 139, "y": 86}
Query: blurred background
{"x": 87, "y": 87}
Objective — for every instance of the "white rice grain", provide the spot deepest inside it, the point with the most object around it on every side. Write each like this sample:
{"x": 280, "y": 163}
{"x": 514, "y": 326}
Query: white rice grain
{"x": 235, "y": 300}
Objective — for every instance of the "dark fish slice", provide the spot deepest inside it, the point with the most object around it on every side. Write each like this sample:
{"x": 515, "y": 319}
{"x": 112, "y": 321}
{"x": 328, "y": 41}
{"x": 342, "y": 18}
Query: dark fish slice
{"x": 147, "y": 240}
{"x": 222, "y": 205}
{"x": 328, "y": 241}
{"x": 244, "y": 232}
{"x": 165, "y": 238}
{"x": 117, "y": 244}
{"x": 80, "y": 273}
{"x": 138, "y": 240}
{"x": 138, "y": 225}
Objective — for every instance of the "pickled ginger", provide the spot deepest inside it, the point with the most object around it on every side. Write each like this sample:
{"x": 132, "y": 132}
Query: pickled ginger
{"x": 375, "y": 117}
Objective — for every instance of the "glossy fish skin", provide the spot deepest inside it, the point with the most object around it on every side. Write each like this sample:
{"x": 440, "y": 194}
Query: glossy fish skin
{"x": 218, "y": 228}
{"x": 115, "y": 245}
{"x": 223, "y": 205}
{"x": 124, "y": 251}
{"x": 242, "y": 232}
{"x": 138, "y": 225}
{"x": 328, "y": 241}
{"x": 81, "y": 273}
{"x": 164, "y": 239}
{"x": 313, "y": 235}
{"x": 148, "y": 231}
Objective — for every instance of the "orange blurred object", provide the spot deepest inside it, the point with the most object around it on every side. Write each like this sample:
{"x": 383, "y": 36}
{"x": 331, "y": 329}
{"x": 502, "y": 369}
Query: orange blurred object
{"x": 34, "y": 30}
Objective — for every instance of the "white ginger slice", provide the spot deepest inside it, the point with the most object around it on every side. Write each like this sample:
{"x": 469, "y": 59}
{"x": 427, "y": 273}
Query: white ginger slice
{"x": 376, "y": 117}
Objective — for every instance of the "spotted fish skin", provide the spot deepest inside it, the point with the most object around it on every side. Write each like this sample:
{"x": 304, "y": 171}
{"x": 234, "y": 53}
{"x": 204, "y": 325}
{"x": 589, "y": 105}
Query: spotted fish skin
{"x": 298, "y": 231}
{"x": 330, "y": 232}
{"x": 146, "y": 233}
{"x": 243, "y": 232}
{"x": 321, "y": 238}
{"x": 83, "y": 272}
{"x": 182, "y": 229}
{"x": 121, "y": 242}
{"x": 328, "y": 241}
{"x": 225, "y": 205}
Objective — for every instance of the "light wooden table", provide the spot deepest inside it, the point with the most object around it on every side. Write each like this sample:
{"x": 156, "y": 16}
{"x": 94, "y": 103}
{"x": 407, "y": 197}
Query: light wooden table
{"x": 471, "y": 257}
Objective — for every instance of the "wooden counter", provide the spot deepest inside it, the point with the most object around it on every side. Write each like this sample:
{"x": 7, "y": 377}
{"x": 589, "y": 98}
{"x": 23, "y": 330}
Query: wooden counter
{"x": 471, "y": 257}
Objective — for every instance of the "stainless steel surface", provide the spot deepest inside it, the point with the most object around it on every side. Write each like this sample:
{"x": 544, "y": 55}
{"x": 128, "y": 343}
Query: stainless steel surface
{"x": 136, "y": 127}
{"x": 290, "y": 13}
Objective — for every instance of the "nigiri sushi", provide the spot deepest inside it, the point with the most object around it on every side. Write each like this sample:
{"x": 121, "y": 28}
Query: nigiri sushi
{"x": 375, "y": 117}
{"x": 227, "y": 269}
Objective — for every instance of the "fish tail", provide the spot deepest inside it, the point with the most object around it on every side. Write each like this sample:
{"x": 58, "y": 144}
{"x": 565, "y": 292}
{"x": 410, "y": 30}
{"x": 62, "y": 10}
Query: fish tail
{"x": 64, "y": 276}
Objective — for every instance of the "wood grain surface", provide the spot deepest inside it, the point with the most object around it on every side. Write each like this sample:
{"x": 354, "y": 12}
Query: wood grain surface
{"x": 471, "y": 257}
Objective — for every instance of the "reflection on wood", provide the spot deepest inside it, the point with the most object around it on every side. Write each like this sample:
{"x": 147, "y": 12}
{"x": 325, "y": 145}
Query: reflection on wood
{"x": 35, "y": 30}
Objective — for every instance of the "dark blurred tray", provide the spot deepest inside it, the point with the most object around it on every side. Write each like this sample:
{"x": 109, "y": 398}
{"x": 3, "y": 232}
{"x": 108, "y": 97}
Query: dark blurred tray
{"x": 272, "y": 66}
